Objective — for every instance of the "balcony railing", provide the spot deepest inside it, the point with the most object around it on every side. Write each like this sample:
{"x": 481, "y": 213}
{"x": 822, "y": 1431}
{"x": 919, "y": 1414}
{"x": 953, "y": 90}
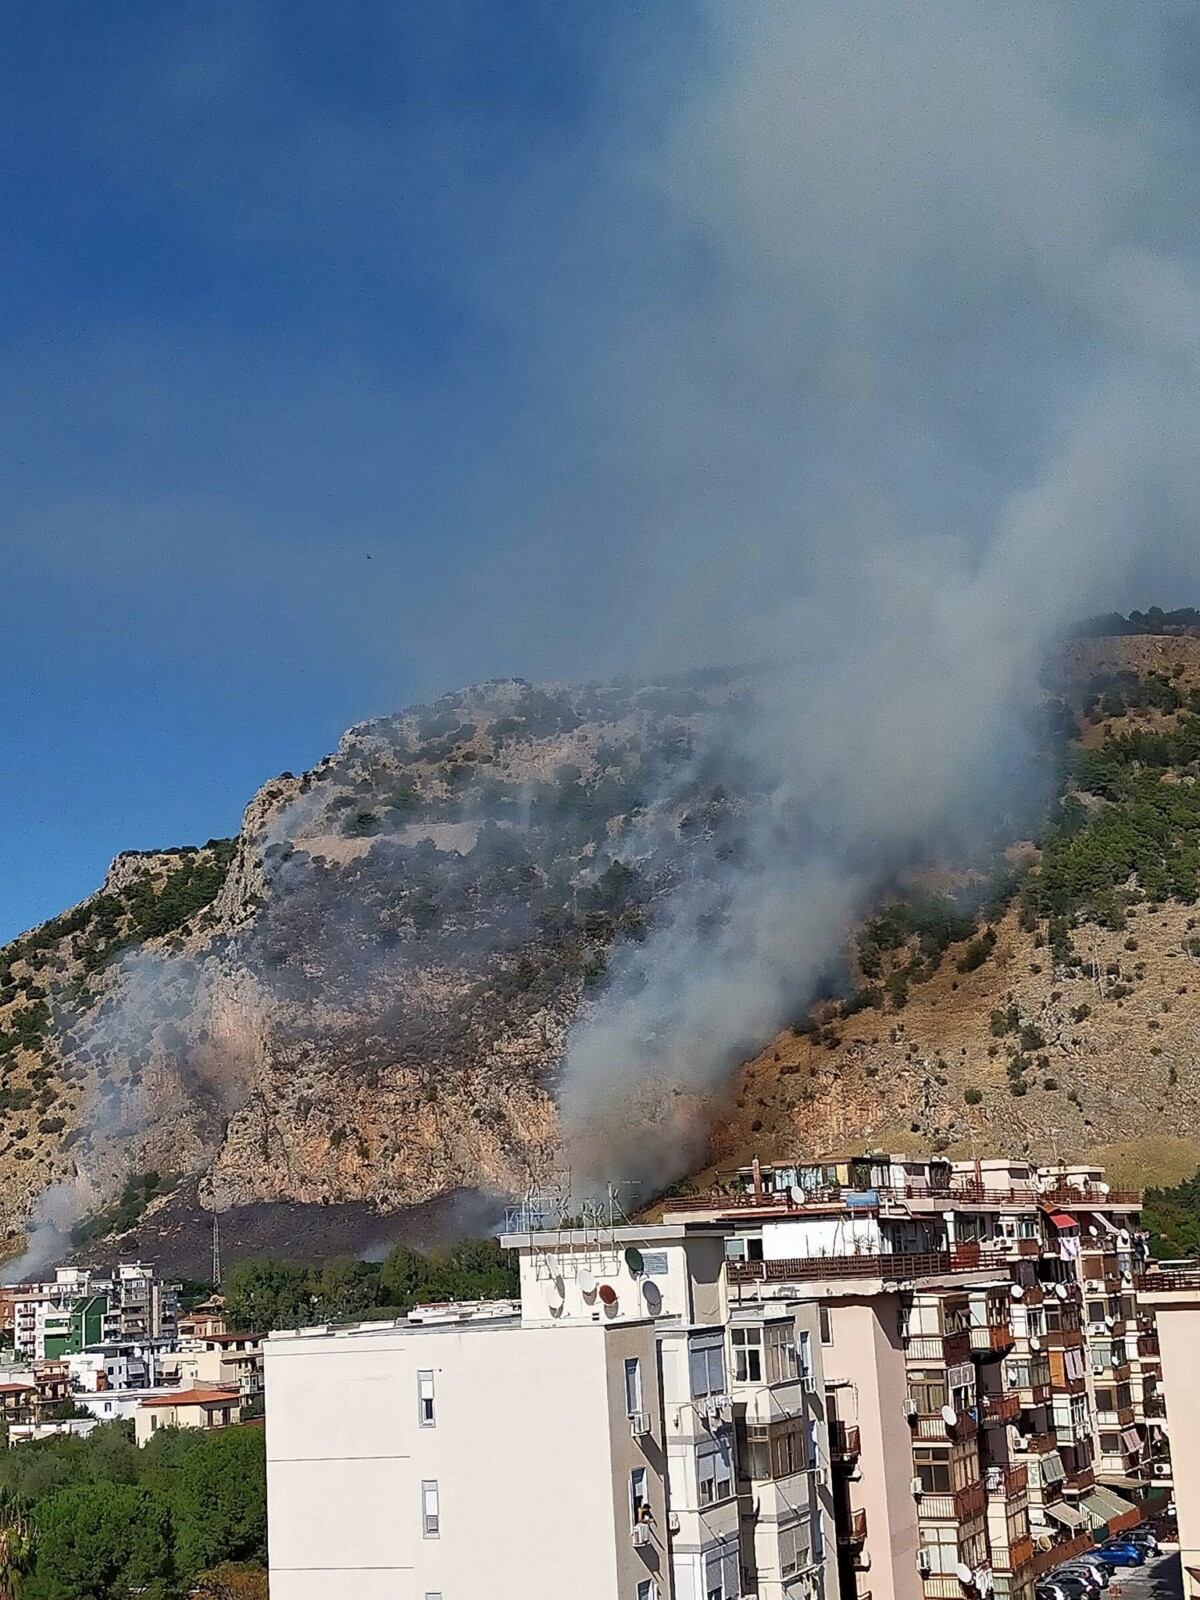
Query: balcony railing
{"x": 958, "y": 1505}
{"x": 884, "y": 1264}
{"x": 948, "y": 1350}
{"x": 1018, "y": 1555}
{"x": 1037, "y": 1444}
{"x": 932, "y": 1425}
{"x": 994, "y": 1338}
{"x": 855, "y": 1530}
{"x": 845, "y": 1442}
{"x": 1007, "y": 1482}
{"x": 1062, "y": 1338}
{"x": 1184, "y": 1278}
{"x": 1147, "y": 1346}
{"x": 1000, "y": 1407}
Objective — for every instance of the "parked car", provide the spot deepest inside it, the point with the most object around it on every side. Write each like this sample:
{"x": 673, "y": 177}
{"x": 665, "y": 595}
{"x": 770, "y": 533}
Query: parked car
{"x": 1145, "y": 1537}
{"x": 1049, "y": 1591}
{"x": 1120, "y": 1553}
{"x": 1090, "y": 1567}
{"x": 1076, "y": 1585}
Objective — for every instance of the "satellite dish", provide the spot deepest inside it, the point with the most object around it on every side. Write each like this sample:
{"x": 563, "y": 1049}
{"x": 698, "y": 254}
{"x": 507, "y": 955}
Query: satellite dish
{"x": 949, "y": 1416}
{"x": 1123, "y": 1236}
{"x": 1103, "y": 1188}
{"x": 1017, "y": 1292}
{"x": 1093, "y": 1230}
{"x": 798, "y": 1194}
{"x": 587, "y": 1281}
{"x": 557, "y": 1291}
{"x": 964, "y": 1574}
{"x": 634, "y": 1261}
{"x": 1109, "y": 1323}
{"x": 1062, "y": 1291}
{"x": 1034, "y": 1342}
{"x": 608, "y": 1294}
{"x": 652, "y": 1295}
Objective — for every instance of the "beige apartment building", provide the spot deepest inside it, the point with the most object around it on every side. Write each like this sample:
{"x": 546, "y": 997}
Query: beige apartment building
{"x": 1173, "y": 1294}
{"x": 882, "y": 1379}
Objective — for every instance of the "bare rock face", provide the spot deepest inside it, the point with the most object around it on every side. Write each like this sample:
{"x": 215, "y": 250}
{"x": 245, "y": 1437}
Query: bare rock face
{"x": 364, "y": 996}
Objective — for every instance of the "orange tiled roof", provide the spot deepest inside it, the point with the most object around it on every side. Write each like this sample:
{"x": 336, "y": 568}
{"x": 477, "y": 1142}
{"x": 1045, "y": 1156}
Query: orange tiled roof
{"x": 193, "y": 1397}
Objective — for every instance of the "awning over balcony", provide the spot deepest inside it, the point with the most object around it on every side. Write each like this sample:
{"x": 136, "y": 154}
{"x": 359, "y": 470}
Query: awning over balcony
{"x": 1069, "y": 1516}
{"x": 1102, "y": 1505}
{"x": 1063, "y": 1219}
{"x": 1131, "y": 1439}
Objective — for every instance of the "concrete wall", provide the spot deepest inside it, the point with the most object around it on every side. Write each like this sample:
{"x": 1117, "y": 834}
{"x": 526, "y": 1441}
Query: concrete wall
{"x": 531, "y": 1452}
{"x": 1178, "y": 1319}
{"x": 865, "y": 1362}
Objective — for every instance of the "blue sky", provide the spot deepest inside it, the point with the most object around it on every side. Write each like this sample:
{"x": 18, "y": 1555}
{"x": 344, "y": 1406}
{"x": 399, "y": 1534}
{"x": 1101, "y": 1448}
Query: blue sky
{"x": 250, "y": 255}
{"x": 353, "y": 352}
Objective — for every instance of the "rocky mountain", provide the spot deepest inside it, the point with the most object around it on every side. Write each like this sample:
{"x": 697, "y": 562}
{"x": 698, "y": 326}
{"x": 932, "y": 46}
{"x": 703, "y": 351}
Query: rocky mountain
{"x": 363, "y": 998}
{"x": 359, "y": 1005}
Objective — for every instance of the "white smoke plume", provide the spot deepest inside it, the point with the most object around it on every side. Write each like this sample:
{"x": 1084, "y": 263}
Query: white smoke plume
{"x": 934, "y": 399}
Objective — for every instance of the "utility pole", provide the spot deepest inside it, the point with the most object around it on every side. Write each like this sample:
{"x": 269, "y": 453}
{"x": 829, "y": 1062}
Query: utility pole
{"x": 216, "y": 1250}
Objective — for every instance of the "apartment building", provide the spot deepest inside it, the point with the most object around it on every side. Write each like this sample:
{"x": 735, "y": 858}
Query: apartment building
{"x": 1172, "y": 1293}
{"x": 876, "y": 1378}
{"x": 80, "y": 1307}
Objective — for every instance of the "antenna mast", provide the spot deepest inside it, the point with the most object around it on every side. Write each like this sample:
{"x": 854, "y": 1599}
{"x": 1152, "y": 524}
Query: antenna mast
{"x": 216, "y": 1250}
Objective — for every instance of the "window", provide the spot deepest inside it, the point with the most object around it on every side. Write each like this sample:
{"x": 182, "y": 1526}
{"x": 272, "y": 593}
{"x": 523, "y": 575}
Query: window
{"x": 933, "y": 1468}
{"x": 633, "y": 1386}
{"x": 714, "y": 1474}
{"x": 707, "y": 1370}
{"x": 781, "y": 1364}
{"x": 430, "y": 1513}
{"x": 639, "y": 1502}
{"x": 646, "y": 1590}
{"x": 425, "y": 1399}
{"x": 793, "y": 1549}
{"x": 433, "y": 1594}
{"x": 747, "y": 1355}
{"x": 826, "y": 1324}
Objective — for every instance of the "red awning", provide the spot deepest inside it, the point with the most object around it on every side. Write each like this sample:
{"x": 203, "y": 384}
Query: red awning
{"x": 1063, "y": 1219}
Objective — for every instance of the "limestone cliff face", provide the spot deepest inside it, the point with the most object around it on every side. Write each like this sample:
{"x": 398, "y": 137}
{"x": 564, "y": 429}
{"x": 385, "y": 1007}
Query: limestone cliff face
{"x": 364, "y": 997}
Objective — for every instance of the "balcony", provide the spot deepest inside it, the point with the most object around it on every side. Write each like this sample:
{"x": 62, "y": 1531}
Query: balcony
{"x": 844, "y": 1442}
{"x": 1037, "y": 1444}
{"x": 892, "y": 1266}
{"x": 1082, "y": 1478}
{"x": 932, "y": 1425}
{"x": 1147, "y": 1347}
{"x": 1015, "y": 1557}
{"x": 1037, "y": 1394}
{"x": 959, "y": 1506}
{"x": 948, "y": 1350}
{"x": 855, "y": 1530}
{"x": 995, "y": 1339}
{"x": 1007, "y": 1482}
{"x": 1062, "y": 1338}
{"x": 1000, "y": 1407}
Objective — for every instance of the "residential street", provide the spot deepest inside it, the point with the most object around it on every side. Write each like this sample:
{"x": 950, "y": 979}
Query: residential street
{"x": 1157, "y": 1580}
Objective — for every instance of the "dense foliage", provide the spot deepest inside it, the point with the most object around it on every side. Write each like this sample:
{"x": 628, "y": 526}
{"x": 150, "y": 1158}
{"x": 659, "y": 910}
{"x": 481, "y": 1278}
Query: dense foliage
{"x": 268, "y": 1294}
{"x": 111, "y": 1520}
{"x": 1172, "y": 1218}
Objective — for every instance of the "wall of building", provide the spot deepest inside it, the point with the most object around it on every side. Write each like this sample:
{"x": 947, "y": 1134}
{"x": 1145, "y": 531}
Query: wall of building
{"x": 864, "y": 1365}
{"x": 531, "y": 1452}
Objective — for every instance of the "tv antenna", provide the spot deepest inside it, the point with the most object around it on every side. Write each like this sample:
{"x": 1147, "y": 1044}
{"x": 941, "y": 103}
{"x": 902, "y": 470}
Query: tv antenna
{"x": 216, "y": 1250}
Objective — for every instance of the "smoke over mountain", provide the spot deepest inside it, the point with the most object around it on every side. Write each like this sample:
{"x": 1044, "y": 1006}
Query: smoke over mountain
{"x": 929, "y": 394}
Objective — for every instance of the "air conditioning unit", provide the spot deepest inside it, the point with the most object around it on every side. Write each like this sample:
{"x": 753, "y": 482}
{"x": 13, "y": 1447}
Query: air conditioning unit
{"x": 910, "y": 1407}
{"x": 641, "y": 1533}
{"x": 673, "y": 1522}
{"x": 1161, "y": 1469}
{"x": 917, "y": 1488}
{"x": 639, "y": 1423}
{"x": 924, "y": 1563}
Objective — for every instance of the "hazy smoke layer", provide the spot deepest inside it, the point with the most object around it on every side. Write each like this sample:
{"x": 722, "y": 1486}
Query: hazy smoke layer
{"x": 929, "y": 393}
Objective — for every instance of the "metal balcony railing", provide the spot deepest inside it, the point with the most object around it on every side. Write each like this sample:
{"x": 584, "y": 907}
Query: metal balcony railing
{"x": 845, "y": 1442}
{"x": 1000, "y": 1407}
{"x": 855, "y": 1530}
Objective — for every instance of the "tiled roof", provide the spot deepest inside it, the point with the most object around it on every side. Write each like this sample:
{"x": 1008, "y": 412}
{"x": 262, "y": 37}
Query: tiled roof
{"x": 194, "y": 1397}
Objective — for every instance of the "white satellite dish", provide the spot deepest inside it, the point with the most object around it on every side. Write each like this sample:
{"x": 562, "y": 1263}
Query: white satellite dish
{"x": 587, "y": 1281}
{"x": 1109, "y": 1323}
{"x": 798, "y": 1194}
{"x": 1017, "y": 1292}
{"x": 1103, "y": 1188}
{"x": 652, "y": 1295}
{"x": 964, "y": 1574}
{"x": 1062, "y": 1291}
{"x": 949, "y": 1416}
{"x": 1123, "y": 1235}
{"x": 1034, "y": 1342}
{"x": 1093, "y": 1230}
